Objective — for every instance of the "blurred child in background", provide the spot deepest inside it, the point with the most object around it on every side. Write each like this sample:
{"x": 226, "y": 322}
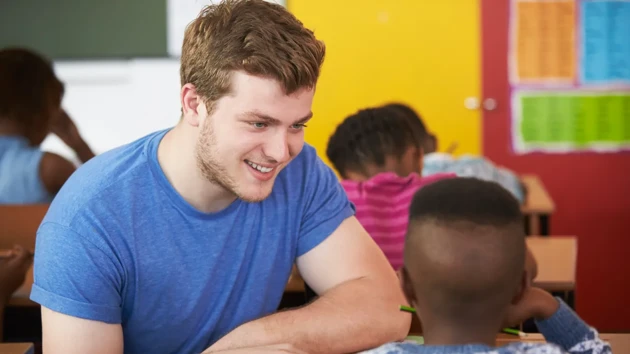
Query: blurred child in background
{"x": 464, "y": 166}
{"x": 379, "y": 159}
{"x": 30, "y": 109}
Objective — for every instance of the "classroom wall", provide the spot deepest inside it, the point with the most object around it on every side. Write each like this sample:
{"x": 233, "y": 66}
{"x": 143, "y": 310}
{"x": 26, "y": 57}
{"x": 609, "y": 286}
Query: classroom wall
{"x": 590, "y": 191}
{"x": 116, "y": 102}
{"x": 377, "y": 52}
{"x": 591, "y": 196}
{"x": 425, "y": 53}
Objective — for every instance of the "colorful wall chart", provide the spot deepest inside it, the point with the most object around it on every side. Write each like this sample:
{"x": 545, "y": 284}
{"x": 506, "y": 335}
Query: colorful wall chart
{"x": 543, "y": 41}
{"x": 605, "y": 33}
{"x": 570, "y": 75}
{"x": 563, "y": 121}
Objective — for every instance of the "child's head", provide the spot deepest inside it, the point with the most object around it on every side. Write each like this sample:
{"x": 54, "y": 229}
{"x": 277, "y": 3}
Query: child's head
{"x": 464, "y": 253}
{"x": 30, "y": 93}
{"x": 372, "y": 141}
{"x": 427, "y": 141}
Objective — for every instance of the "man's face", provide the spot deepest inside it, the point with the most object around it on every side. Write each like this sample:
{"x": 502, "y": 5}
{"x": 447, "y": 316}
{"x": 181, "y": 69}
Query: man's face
{"x": 251, "y": 134}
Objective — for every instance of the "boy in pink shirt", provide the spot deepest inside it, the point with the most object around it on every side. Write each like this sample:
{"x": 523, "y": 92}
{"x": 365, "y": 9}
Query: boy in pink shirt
{"x": 377, "y": 154}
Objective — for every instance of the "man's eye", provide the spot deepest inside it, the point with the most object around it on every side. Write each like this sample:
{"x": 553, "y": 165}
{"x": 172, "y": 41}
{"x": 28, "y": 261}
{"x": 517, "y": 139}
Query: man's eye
{"x": 259, "y": 125}
{"x": 299, "y": 126}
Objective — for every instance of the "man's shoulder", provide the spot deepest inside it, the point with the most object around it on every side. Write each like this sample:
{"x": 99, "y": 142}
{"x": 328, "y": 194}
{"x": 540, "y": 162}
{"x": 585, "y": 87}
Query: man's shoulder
{"x": 304, "y": 159}
{"x": 305, "y": 165}
{"x": 103, "y": 180}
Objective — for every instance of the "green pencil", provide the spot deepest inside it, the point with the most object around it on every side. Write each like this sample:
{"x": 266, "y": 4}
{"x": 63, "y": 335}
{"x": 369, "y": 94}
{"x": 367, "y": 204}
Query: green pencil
{"x": 515, "y": 332}
{"x": 407, "y": 309}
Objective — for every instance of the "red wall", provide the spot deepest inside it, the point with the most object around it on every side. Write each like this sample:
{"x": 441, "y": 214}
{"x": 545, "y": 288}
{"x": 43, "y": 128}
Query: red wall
{"x": 591, "y": 191}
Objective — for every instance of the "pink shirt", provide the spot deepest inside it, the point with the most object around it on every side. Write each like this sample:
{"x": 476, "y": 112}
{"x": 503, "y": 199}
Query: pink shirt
{"x": 382, "y": 207}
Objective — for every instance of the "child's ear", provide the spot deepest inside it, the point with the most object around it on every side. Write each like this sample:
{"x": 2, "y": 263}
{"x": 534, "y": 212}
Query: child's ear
{"x": 433, "y": 142}
{"x": 522, "y": 287}
{"x": 410, "y": 162}
{"x": 420, "y": 159}
{"x": 407, "y": 286}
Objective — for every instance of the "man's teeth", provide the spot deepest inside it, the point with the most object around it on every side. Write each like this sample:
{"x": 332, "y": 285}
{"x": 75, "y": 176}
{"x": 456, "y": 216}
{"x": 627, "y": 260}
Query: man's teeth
{"x": 260, "y": 168}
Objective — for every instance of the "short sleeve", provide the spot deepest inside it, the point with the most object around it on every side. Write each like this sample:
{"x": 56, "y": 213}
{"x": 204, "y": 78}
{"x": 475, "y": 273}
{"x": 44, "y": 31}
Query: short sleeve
{"x": 326, "y": 205}
{"x": 76, "y": 276}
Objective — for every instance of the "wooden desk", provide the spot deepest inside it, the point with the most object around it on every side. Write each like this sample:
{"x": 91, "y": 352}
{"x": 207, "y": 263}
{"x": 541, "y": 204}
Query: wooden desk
{"x": 21, "y": 296}
{"x": 619, "y": 342}
{"x": 538, "y": 206}
{"x": 19, "y": 224}
{"x": 17, "y": 348}
{"x": 557, "y": 262}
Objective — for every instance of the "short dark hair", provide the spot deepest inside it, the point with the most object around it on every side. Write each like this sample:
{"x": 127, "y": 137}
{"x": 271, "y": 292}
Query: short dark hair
{"x": 28, "y": 86}
{"x": 464, "y": 250}
{"x": 413, "y": 119}
{"x": 466, "y": 199}
{"x": 368, "y": 137}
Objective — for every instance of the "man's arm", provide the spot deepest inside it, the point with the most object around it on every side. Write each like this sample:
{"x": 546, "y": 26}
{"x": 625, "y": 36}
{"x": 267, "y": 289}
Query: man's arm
{"x": 77, "y": 283}
{"x": 358, "y": 306}
{"x": 69, "y": 335}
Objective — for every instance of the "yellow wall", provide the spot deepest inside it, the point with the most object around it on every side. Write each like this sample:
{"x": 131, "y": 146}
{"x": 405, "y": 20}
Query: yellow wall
{"x": 423, "y": 52}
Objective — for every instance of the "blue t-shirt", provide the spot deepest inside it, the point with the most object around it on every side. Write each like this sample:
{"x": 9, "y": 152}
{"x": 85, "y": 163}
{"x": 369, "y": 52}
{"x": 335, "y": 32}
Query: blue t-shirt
{"x": 120, "y": 245}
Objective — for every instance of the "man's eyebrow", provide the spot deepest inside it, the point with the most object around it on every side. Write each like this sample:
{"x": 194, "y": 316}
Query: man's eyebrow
{"x": 271, "y": 120}
{"x": 304, "y": 119}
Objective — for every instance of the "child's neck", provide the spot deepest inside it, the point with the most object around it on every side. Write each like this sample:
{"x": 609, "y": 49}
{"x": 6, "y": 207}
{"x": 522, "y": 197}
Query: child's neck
{"x": 457, "y": 334}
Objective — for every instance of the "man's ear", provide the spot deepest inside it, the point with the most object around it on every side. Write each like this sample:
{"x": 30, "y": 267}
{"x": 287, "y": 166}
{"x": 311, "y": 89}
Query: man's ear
{"x": 522, "y": 287}
{"x": 192, "y": 104}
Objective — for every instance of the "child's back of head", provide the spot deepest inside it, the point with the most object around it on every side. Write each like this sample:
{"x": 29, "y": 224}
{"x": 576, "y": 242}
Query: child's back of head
{"x": 425, "y": 139}
{"x": 464, "y": 256}
{"x": 443, "y": 162}
{"x": 372, "y": 141}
